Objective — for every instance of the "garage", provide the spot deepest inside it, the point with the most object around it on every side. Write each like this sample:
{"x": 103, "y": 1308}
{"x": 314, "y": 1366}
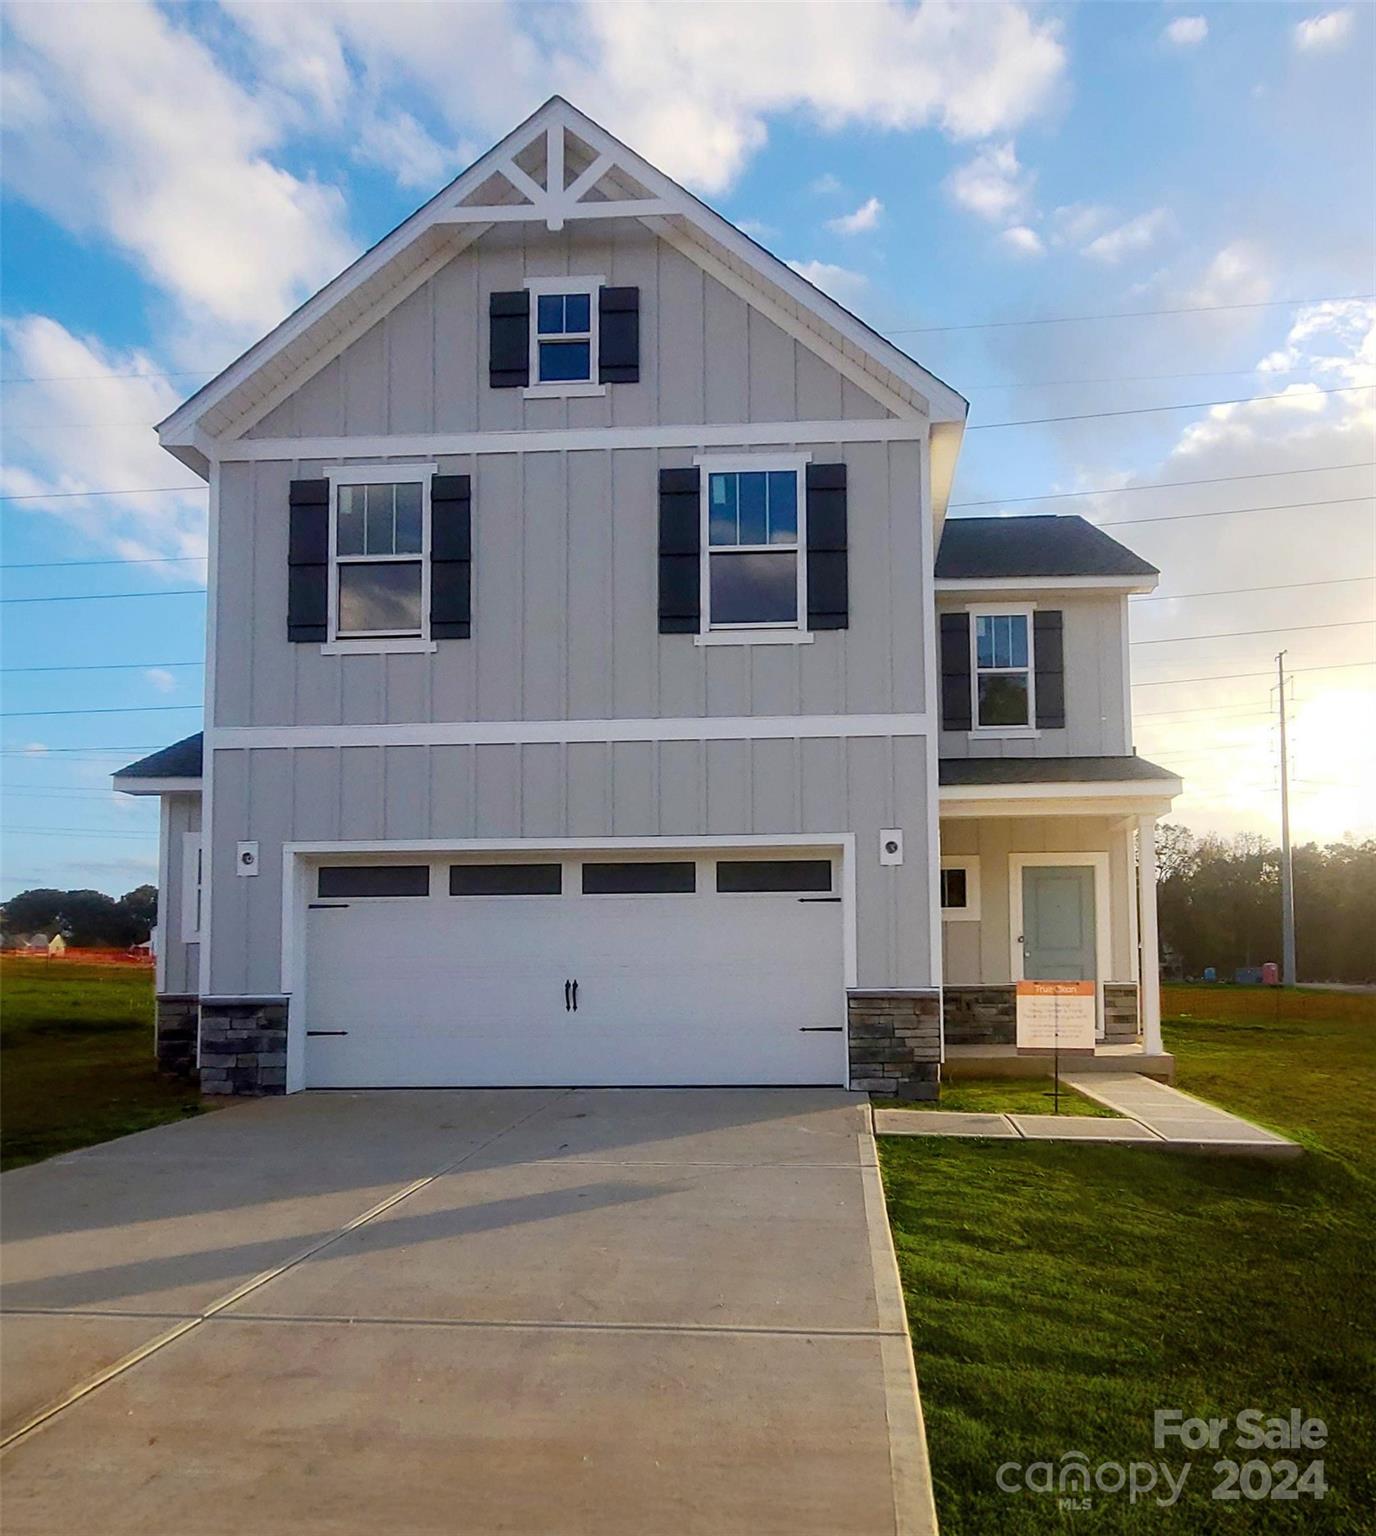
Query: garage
{"x": 601, "y": 969}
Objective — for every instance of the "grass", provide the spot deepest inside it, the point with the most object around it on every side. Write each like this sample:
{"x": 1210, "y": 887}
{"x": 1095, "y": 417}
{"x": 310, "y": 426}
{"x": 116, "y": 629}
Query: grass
{"x": 76, "y": 1058}
{"x": 1058, "y": 1294}
{"x": 1004, "y": 1096}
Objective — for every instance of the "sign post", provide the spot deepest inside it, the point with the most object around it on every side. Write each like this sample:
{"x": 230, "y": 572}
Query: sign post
{"x": 1056, "y": 1016}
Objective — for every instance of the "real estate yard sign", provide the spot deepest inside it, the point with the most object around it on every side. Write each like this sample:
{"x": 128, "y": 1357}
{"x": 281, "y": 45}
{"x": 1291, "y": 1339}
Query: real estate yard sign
{"x": 1056, "y": 1015}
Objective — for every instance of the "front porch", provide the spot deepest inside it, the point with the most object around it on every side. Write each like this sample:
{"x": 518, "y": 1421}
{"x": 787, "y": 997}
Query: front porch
{"x": 1046, "y": 878}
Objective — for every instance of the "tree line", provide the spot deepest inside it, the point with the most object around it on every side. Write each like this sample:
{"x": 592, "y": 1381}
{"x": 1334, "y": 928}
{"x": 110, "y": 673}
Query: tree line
{"x": 86, "y": 919}
{"x": 1218, "y": 903}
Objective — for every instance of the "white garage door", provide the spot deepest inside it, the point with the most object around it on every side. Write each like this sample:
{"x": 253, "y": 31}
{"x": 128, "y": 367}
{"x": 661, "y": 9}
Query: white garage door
{"x": 678, "y": 971}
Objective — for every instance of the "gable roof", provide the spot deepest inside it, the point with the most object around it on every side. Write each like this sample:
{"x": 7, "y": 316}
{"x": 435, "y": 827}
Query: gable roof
{"x": 587, "y": 174}
{"x": 182, "y": 760}
{"x": 1040, "y": 546}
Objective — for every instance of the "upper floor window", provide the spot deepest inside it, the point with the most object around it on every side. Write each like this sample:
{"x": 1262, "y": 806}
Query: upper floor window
{"x": 1001, "y": 674}
{"x": 753, "y": 547}
{"x": 564, "y": 335}
{"x": 378, "y": 549}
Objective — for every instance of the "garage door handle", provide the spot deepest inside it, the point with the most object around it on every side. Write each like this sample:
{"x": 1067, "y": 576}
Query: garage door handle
{"x": 575, "y": 997}
{"x": 819, "y": 1029}
{"x": 327, "y": 1031}
{"x": 329, "y": 906}
{"x": 836, "y": 899}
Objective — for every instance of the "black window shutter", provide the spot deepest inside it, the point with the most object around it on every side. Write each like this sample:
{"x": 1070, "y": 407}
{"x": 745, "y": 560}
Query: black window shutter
{"x": 1048, "y": 657}
{"x": 618, "y": 337}
{"x": 680, "y": 549}
{"x": 955, "y": 671}
{"x": 509, "y": 337}
{"x": 451, "y": 557}
{"x": 308, "y": 560}
{"x": 828, "y": 582}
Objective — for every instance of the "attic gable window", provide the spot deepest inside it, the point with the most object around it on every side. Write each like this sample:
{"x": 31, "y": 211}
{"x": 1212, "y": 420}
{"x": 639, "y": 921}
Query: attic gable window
{"x": 563, "y": 336}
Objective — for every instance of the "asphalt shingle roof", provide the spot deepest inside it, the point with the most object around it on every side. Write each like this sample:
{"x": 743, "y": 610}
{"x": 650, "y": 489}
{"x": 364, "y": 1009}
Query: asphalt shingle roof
{"x": 182, "y": 760}
{"x": 974, "y": 548}
{"x": 953, "y": 771}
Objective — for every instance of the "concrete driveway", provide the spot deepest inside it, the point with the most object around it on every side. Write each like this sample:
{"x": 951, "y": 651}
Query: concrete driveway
{"x": 600, "y": 1311}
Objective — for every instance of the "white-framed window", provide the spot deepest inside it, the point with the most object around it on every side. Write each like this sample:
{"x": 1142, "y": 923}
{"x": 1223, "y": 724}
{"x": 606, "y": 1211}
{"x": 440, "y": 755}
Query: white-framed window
{"x": 379, "y": 594}
{"x": 960, "y": 889}
{"x": 563, "y": 335}
{"x": 754, "y": 546}
{"x": 1002, "y": 677}
{"x": 193, "y": 856}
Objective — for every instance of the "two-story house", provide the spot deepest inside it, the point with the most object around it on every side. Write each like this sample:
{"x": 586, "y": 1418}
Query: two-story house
{"x": 597, "y": 693}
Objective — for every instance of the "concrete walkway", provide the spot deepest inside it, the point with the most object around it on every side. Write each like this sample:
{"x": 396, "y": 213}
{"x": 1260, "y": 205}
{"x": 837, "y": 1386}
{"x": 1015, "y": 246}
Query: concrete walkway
{"x": 525, "y": 1311}
{"x": 1153, "y": 1115}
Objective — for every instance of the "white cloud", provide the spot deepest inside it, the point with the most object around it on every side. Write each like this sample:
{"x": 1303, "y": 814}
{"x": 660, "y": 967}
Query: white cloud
{"x": 756, "y": 229}
{"x": 161, "y": 679}
{"x": 845, "y": 286}
{"x": 86, "y": 428}
{"x": 1236, "y": 275}
{"x": 1186, "y": 31}
{"x": 1328, "y": 30}
{"x": 865, "y": 217}
{"x": 144, "y": 139}
{"x": 1023, "y": 241}
{"x": 825, "y": 185}
{"x": 1129, "y": 238}
{"x": 993, "y": 185}
{"x": 396, "y": 142}
{"x": 1078, "y": 223}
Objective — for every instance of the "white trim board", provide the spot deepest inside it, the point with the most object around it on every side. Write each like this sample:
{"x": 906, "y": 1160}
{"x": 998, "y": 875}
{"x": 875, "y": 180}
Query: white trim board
{"x": 1103, "y": 937}
{"x": 1044, "y": 584}
{"x": 702, "y": 435}
{"x": 157, "y": 786}
{"x": 1152, "y": 790}
{"x": 519, "y": 732}
{"x": 297, "y": 860}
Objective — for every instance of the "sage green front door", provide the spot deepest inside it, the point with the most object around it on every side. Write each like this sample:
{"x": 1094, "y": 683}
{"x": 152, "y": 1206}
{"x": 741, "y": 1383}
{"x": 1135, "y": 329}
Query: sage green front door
{"x": 1058, "y": 938}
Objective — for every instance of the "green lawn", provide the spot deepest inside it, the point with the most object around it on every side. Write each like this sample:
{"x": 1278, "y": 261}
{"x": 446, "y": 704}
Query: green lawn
{"x": 1003, "y": 1096}
{"x": 1058, "y": 1295}
{"x": 76, "y": 1058}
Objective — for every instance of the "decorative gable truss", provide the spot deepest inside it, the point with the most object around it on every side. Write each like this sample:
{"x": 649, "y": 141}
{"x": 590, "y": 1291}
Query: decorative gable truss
{"x": 552, "y": 178}
{"x": 556, "y": 168}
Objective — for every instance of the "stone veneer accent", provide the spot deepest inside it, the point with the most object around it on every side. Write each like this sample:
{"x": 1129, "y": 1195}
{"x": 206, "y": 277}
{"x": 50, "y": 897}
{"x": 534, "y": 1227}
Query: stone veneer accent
{"x": 244, "y": 1047}
{"x": 895, "y": 1042}
{"x": 175, "y": 1020}
{"x": 1120, "y": 1012}
{"x": 981, "y": 1015}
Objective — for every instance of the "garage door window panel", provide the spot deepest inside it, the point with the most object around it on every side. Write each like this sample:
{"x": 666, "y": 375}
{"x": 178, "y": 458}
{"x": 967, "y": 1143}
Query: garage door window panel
{"x": 673, "y": 878}
{"x": 373, "y": 880}
{"x": 506, "y": 880}
{"x": 759, "y": 876}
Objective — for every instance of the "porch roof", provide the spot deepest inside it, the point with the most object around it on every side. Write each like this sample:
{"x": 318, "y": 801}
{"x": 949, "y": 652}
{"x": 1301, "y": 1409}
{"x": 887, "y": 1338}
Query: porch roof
{"x": 1051, "y": 770}
{"x": 174, "y": 768}
{"x": 1055, "y": 786}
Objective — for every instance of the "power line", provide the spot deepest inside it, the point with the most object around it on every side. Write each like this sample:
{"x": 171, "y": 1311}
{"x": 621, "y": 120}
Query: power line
{"x": 78, "y": 832}
{"x": 1278, "y": 506}
{"x": 100, "y": 597}
{"x": 1224, "y": 677}
{"x": 1230, "y": 634}
{"x": 137, "y": 490}
{"x": 123, "y": 709}
{"x": 1162, "y": 485}
{"x": 109, "y": 666}
{"x": 1285, "y": 586}
{"x": 52, "y": 565}
{"x": 1123, "y": 314}
{"x": 1148, "y": 410}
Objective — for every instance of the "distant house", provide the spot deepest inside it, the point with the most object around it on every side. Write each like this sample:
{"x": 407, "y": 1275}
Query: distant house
{"x": 57, "y": 945}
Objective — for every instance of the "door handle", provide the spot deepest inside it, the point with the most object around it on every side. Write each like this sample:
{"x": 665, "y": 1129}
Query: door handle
{"x": 575, "y": 997}
{"x": 567, "y": 985}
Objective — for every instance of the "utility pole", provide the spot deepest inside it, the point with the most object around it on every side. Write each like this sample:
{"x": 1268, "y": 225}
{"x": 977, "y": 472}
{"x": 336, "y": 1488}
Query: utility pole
{"x": 1287, "y": 873}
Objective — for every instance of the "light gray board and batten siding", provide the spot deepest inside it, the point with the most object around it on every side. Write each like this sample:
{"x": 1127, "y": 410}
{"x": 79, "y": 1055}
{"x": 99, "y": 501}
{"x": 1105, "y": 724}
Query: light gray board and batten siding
{"x": 565, "y": 618}
{"x": 180, "y": 960}
{"x": 642, "y": 790}
{"x": 705, "y": 354}
{"x": 1097, "y": 696}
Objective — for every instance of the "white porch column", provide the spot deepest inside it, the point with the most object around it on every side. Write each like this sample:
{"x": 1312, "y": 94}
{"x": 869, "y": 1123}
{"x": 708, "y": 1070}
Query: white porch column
{"x": 1150, "y": 970}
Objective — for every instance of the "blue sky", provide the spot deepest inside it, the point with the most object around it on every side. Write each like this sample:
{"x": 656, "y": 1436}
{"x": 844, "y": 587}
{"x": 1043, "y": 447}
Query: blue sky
{"x": 176, "y": 178}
